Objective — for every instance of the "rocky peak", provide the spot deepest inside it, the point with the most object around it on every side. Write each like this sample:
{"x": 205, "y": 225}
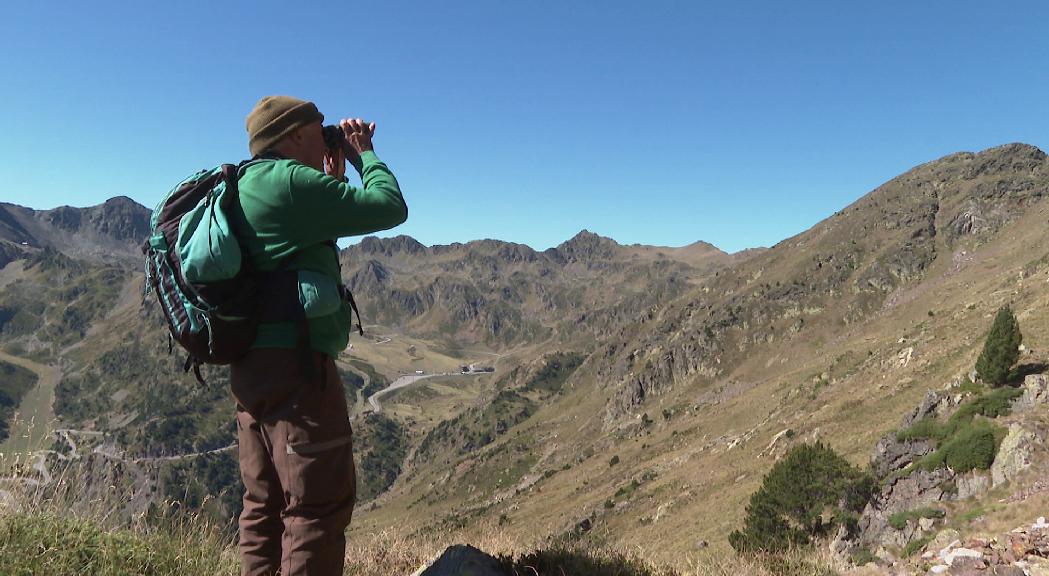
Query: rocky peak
{"x": 401, "y": 244}
{"x": 586, "y": 246}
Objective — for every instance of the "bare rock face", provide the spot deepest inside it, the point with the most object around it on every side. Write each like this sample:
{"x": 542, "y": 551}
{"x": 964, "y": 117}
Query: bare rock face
{"x": 1014, "y": 455}
{"x": 972, "y": 485}
{"x": 891, "y": 455}
{"x": 918, "y": 489}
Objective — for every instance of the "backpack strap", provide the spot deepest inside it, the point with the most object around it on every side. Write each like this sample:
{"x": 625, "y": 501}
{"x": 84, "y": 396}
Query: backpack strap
{"x": 344, "y": 291}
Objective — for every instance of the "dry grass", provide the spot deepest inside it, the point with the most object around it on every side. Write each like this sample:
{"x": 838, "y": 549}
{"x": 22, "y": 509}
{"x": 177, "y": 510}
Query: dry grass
{"x": 63, "y": 527}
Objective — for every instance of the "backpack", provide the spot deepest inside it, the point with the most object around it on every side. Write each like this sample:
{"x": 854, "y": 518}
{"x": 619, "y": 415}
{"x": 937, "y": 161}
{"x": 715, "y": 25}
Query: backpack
{"x": 212, "y": 296}
{"x": 206, "y": 286}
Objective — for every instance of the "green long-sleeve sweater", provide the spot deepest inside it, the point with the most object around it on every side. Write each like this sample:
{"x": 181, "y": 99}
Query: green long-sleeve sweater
{"x": 289, "y": 208}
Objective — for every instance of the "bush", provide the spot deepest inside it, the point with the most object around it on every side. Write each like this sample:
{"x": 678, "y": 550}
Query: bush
{"x": 971, "y": 449}
{"x": 963, "y": 443}
{"x": 788, "y": 509}
{"x": 1001, "y": 349}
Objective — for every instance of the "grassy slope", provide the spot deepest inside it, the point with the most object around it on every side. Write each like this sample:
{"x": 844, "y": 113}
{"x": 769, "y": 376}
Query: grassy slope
{"x": 710, "y": 455}
{"x": 15, "y": 383}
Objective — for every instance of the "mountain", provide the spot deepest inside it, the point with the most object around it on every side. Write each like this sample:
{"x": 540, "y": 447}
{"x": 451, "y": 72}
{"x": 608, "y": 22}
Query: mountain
{"x": 503, "y": 294}
{"x": 642, "y": 389}
{"x": 110, "y": 231}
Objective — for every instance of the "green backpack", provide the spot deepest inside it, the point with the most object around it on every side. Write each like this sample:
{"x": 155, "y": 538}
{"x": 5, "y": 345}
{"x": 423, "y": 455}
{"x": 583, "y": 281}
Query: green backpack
{"x": 212, "y": 297}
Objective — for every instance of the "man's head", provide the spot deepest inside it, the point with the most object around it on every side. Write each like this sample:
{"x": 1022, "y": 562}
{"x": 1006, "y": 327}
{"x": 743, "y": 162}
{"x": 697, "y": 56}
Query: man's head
{"x": 289, "y": 126}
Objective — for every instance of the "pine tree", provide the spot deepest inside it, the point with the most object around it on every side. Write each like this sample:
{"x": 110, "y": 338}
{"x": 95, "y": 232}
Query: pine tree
{"x": 788, "y": 510}
{"x": 1001, "y": 350}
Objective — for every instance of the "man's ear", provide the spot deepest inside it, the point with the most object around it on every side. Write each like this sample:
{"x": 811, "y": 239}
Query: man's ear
{"x": 297, "y": 136}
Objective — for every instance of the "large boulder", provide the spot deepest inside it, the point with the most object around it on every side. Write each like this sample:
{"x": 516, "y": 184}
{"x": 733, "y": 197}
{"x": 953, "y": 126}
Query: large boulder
{"x": 463, "y": 560}
{"x": 1036, "y": 390}
{"x": 1014, "y": 455}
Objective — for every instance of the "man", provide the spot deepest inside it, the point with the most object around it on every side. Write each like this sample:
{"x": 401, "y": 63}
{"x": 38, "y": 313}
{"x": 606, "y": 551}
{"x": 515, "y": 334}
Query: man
{"x": 295, "y": 440}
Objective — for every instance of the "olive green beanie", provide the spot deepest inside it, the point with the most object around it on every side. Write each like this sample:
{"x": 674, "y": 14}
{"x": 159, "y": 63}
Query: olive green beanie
{"x": 274, "y": 117}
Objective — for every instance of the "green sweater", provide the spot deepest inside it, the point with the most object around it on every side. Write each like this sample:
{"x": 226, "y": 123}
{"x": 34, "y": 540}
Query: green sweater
{"x": 289, "y": 208}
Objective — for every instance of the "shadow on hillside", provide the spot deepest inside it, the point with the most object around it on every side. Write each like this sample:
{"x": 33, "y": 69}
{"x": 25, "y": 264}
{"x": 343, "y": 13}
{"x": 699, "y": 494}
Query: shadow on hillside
{"x": 1022, "y": 371}
{"x": 561, "y": 561}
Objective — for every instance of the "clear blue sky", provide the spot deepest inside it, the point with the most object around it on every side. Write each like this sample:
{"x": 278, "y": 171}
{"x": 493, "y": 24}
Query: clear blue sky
{"x": 659, "y": 122}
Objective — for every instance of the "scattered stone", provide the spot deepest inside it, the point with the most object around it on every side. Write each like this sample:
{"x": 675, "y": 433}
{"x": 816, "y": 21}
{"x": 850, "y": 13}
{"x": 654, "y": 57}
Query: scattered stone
{"x": 968, "y": 566}
{"x": 584, "y": 525}
{"x": 1022, "y": 552}
{"x": 952, "y": 554}
{"x": 463, "y": 560}
{"x": 701, "y": 544}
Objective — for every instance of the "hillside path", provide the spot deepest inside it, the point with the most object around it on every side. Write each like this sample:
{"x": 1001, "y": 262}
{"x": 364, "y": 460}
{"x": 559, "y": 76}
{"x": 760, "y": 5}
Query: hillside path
{"x": 31, "y": 427}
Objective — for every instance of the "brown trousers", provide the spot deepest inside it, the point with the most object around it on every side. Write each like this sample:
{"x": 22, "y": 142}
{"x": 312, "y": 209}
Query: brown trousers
{"x": 296, "y": 461}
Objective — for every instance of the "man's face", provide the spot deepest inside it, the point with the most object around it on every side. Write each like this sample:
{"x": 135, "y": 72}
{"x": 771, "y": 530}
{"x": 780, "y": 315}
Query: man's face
{"x": 311, "y": 146}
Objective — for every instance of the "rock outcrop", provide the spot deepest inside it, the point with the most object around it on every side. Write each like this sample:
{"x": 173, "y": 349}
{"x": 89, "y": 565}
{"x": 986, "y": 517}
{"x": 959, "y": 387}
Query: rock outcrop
{"x": 1014, "y": 455}
{"x": 463, "y": 560}
{"x": 1036, "y": 391}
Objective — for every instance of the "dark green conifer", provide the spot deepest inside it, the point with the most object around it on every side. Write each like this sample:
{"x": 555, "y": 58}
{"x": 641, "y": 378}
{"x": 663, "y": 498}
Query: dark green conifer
{"x": 1001, "y": 350}
{"x": 790, "y": 507}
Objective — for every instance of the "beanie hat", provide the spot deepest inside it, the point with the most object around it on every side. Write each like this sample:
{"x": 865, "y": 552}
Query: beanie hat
{"x": 275, "y": 117}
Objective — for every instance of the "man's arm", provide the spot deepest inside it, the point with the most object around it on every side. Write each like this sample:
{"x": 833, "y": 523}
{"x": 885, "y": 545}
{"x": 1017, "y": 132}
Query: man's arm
{"x": 334, "y": 209}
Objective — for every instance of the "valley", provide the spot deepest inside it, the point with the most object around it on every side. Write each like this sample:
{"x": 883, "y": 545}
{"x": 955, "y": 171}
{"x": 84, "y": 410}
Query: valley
{"x": 642, "y": 392}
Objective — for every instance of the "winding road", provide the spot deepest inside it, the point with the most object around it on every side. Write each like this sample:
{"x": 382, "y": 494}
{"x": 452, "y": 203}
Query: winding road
{"x": 410, "y": 379}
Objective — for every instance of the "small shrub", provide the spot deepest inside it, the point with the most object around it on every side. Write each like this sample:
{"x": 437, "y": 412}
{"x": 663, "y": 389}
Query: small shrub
{"x": 862, "y": 557}
{"x": 914, "y": 546}
{"x": 899, "y": 520}
{"x": 971, "y": 449}
{"x": 613, "y": 461}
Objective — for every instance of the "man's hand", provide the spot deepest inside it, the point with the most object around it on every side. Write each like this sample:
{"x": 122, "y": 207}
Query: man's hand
{"x": 335, "y": 163}
{"x": 357, "y": 136}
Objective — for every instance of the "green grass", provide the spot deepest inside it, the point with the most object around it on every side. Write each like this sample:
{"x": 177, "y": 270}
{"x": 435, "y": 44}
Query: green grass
{"x": 50, "y": 544}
